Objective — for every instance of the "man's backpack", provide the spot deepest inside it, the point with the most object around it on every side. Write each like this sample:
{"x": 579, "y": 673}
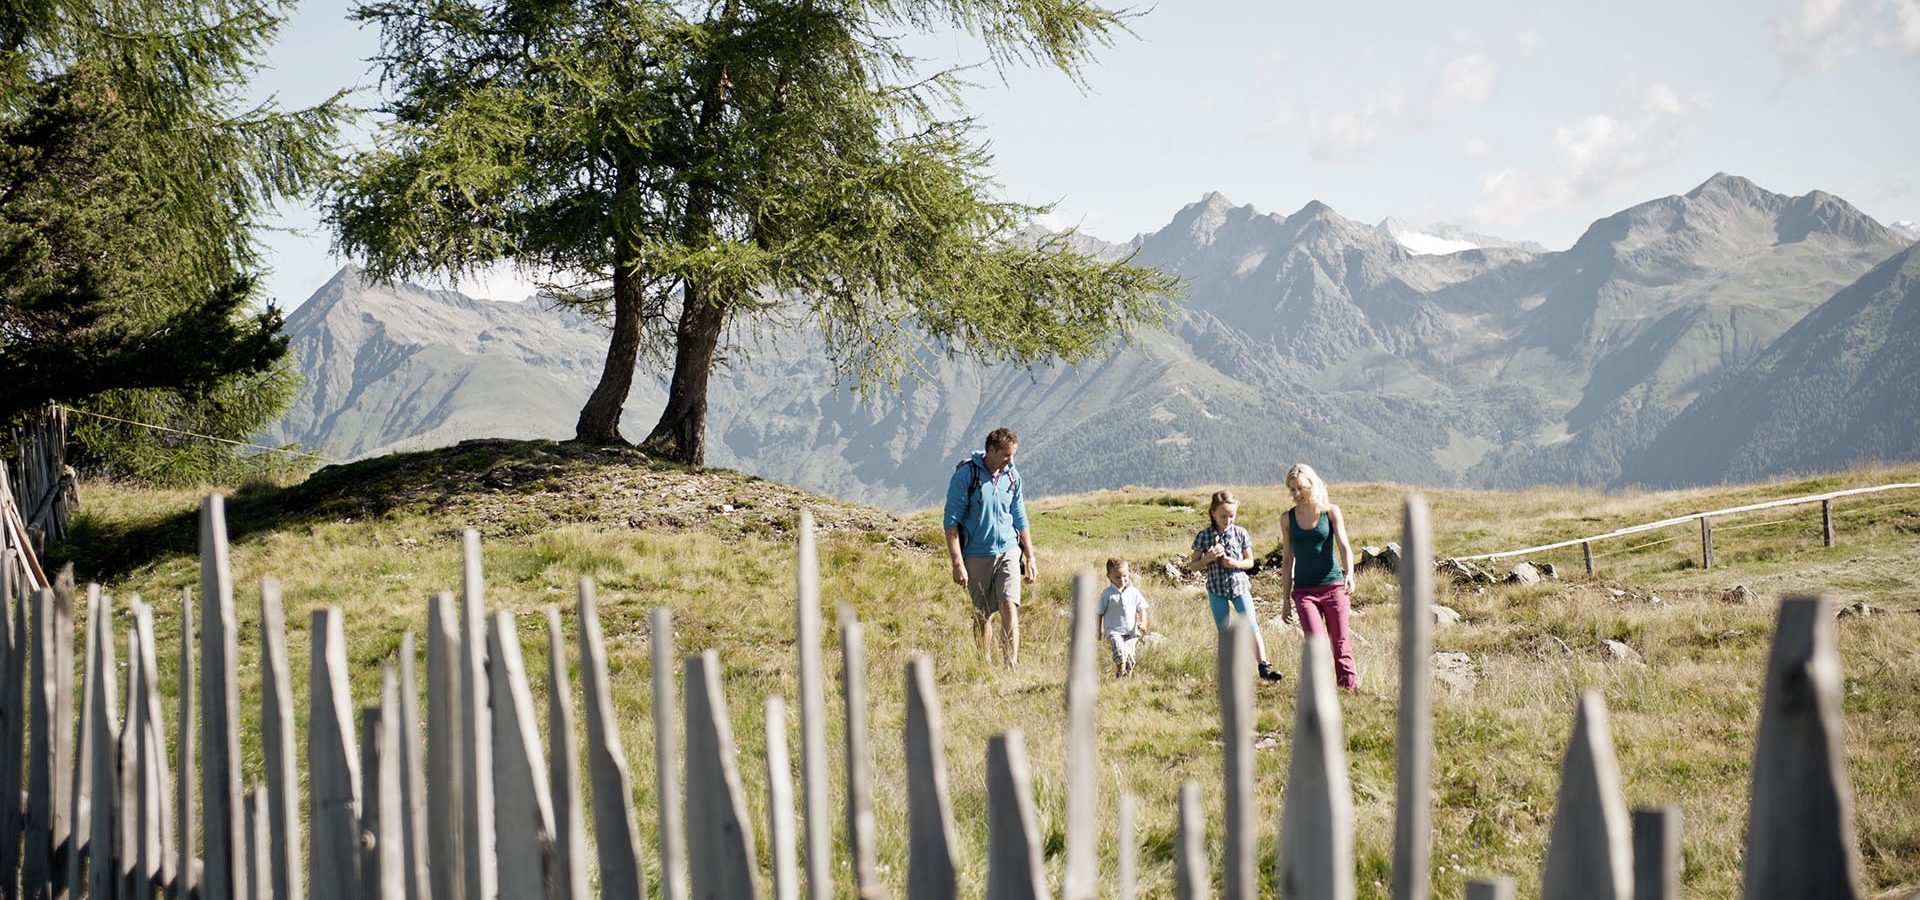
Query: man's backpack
{"x": 973, "y": 489}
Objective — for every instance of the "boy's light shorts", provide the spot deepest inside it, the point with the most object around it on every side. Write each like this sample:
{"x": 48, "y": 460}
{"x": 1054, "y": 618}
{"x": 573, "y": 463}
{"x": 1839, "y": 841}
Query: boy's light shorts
{"x": 992, "y": 581}
{"x": 1125, "y": 645}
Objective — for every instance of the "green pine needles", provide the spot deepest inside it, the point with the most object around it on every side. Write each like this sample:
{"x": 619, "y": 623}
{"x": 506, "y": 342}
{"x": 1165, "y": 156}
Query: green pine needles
{"x": 687, "y": 170}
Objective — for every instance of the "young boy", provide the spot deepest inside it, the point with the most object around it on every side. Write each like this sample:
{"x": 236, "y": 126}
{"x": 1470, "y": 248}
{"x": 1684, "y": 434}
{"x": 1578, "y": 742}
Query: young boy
{"x": 1123, "y": 616}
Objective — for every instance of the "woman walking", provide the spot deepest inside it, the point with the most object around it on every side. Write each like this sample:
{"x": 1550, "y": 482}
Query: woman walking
{"x": 1321, "y": 585}
{"x": 1226, "y": 550}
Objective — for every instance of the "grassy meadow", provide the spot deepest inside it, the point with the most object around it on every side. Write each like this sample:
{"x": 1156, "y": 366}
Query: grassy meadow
{"x": 376, "y": 538}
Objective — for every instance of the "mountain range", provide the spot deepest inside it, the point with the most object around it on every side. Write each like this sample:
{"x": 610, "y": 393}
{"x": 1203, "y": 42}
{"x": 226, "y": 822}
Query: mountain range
{"x": 1420, "y": 354}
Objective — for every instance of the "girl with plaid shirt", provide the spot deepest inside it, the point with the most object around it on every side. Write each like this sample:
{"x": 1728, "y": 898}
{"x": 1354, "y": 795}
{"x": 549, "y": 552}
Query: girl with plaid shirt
{"x": 1226, "y": 550}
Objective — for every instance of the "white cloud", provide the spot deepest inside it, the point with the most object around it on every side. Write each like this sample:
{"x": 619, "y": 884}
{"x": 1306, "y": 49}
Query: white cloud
{"x": 1466, "y": 81}
{"x": 1472, "y": 145}
{"x": 1816, "y": 34}
{"x": 1530, "y": 43}
{"x": 1591, "y": 157}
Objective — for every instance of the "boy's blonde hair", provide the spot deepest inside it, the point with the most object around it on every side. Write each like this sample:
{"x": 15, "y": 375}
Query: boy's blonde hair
{"x": 1315, "y": 486}
{"x": 1114, "y": 563}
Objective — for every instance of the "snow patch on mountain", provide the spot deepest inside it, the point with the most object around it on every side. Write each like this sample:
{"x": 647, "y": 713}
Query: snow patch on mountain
{"x": 1906, "y": 229}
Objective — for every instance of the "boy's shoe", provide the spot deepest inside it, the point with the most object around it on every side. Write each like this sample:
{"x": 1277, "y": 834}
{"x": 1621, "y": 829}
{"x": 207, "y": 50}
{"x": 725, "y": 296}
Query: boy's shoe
{"x": 1267, "y": 673}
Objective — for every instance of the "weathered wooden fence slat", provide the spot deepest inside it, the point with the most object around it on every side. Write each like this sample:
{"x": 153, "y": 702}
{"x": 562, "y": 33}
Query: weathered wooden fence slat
{"x": 1656, "y": 853}
{"x": 861, "y": 835}
{"x": 1826, "y": 522}
{"x": 80, "y": 797}
{"x": 13, "y": 730}
{"x": 1413, "y": 744}
{"x": 719, "y": 834}
{"x": 1498, "y": 887}
{"x": 1079, "y": 879}
{"x": 1800, "y": 840}
{"x": 813, "y": 716}
{"x": 930, "y": 840}
{"x": 185, "y": 815}
{"x": 127, "y": 835}
{"x": 333, "y": 769}
{"x": 413, "y": 776}
{"x": 259, "y": 867}
{"x": 477, "y": 839}
{"x": 616, "y": 836}
{"x": 1316, "y": 825}
{"x": 1190, "y": 879}
{"x": 1015, "y": 870}
{"x": 1126, "y": 827}
{"x": 45, "y": 743}
{"x": 1589, "y": 848}
{"x": 782, "y": 843}
{"x": 524, "y": 809}
{"x": 156, "y": 781}
{"x": 285, "y": 865}
{"x": 372, "y": 879}
{"x": 446, "y": 754}
{"x": 385, "y": 783}
{"x": 670, "y": 806}
{"x": 224, "y": 832}
{"x": 1234, "y": 685}
{"x": 1706, "y": 542}
{"x": 563, "y": 767}
{"x": 103, "y": 870}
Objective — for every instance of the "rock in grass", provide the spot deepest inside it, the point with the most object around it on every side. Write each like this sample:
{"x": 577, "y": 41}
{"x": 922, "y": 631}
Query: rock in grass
{"x": 1524, "y": 573}
{"x": 1860, "y": 610}
{"x": 1455, "y": 670}
{"x": 1445, "y": 615}
{"x": 1740, "y": 595}
{"x": 1621, "y": 652}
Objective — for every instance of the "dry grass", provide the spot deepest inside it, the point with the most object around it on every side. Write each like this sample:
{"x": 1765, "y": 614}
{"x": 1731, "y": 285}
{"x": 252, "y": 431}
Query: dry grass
{"x": 1683, "y": 723}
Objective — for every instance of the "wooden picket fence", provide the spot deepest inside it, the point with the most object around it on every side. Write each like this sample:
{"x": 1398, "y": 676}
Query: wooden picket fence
{"x": 103, "y": 817}
{"x": 36, "y": 493}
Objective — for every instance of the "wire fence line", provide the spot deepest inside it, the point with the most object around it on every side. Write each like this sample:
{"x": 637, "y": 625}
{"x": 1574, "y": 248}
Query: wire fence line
{"x": 500, "y": 816}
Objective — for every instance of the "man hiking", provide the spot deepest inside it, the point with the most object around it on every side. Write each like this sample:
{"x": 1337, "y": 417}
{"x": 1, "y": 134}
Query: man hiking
{"x": 987, "y": 539}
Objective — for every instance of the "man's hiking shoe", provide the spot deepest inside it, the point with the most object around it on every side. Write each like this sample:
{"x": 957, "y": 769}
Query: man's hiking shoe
{"x": 1267, "y": 673}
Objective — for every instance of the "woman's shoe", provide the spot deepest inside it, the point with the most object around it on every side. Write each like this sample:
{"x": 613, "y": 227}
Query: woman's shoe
{"x": 1267, "y": 673}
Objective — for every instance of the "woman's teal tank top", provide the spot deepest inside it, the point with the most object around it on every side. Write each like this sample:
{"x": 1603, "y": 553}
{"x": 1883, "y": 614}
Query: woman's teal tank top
{"x": 1314, "y": 564}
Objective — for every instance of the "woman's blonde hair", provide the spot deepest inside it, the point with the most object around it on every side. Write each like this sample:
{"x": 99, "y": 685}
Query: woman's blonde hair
{"x": 1220, "y": 498}
{"x": 1316, "y": 487}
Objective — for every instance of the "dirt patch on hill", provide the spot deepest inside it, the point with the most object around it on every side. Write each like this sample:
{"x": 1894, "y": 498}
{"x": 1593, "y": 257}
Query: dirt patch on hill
{"x": 522, "y": 487}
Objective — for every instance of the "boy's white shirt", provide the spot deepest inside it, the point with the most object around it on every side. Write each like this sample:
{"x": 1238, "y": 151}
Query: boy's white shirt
{"x": 1129, "y": 602}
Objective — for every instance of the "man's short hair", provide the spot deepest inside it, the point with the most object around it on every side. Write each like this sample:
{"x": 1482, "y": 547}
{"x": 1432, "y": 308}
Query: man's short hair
{"x": 1115, "y": 562}
{"x": 1001, "y": 439}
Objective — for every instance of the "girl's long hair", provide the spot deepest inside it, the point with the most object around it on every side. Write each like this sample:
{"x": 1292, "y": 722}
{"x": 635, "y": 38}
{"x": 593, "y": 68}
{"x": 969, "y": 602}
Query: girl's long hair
{"x": 1315, "y": 486}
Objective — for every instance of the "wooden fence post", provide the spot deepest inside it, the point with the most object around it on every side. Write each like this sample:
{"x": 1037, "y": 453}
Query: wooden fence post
{"x": 156, "y": 852}
{"x": 666, "y": 762}
{"x": 860, "y": 824}
{"x": 1826, "y": 522}
{"x": 930, "y": 842}
{"x": 1316, "y": 825}
{"x": 219, "y": 709}
{"x": 103, "y": 778}
{"x": 1800, "y": 839}
{"x": 385, "y": 784}
{"x": 446, "y": 751}
{"x": 1190, "y": 881}
{"x": 1586, "y": 551}
{"x": 1498, "y": 887}
{"x": 781, "y": 841}
{"x": 186, "y": 875}
{"x": 46, "y": 813}
{"x": 478, "y": 838}
{"x": 1080, "y": 879}
{"x": 333, "y": 769}
{"x": 285, "y": 867}
{"x": 413, "y": 776}
{"x": 127, "y": 832}
{"x": 813, "y": 717}
{"x": 1589, "y": 849}
{"x": 1015, "y": 870}
{"x": 563, "y": 760}
{"x": 259, "y": 868}
{"x": 616, "y": 837}
{"x": 80, "y": 794}
{"x": 720, "y": 836}
{"x": 1413, "y": 744}
{"x": 1126, "y": 829}
{"x": 13, "y": 683}
{"x": 1656, "y": 853}
{"x": 1233, "y": 683}
{"x": 1706, "y": 542}
{"x": 524, "y": 809}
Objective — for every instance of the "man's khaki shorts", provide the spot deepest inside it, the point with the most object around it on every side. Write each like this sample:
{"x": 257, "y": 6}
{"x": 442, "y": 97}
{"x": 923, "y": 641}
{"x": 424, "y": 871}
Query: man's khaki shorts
{"x": 992, "y": 581}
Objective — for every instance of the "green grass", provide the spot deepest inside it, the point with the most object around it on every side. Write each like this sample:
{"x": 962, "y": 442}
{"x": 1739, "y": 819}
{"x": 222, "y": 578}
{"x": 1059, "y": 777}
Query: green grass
{"x": 377, "y": 538}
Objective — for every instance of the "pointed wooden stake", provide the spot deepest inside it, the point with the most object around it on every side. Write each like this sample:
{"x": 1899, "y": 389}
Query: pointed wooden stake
{"x": 720, "y": 836}
{"x": 1316, "y": 826}
{"x": 528, "y": 867}
{"x": 186, "y": 866}
{"x": 1015, "y": 870}
{"x": 1233, "y": 682}
{"x": 332, "y": 765}
{"x": 813, "y": 718}
{"x": 1589, "y": 850}
{"x": 617, "y": 840}
{"x": 223, "y": 819}
{"x": 1080, "y": 878}
{"x": 930, "y": 842}
{"x": 446, "y": 750}
{"x": 781, "y": 841}
{"x": 1190, "y": 881}
{"x": 413, "y": 776}
{"x": 666, "y": 761}
{"x": 286, "y": 867}
{"x": 1800, "y": 839}
{"x": 860, "y": 825}
{"x": 477, "y": 838}
{"x": 563, "y": 754}
{"x": 1413, "y": 745}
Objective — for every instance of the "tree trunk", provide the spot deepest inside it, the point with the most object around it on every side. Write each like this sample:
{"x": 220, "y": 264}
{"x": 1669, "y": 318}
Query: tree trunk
{"x": 681, "y": 434}
{"x": 600, "y": 418}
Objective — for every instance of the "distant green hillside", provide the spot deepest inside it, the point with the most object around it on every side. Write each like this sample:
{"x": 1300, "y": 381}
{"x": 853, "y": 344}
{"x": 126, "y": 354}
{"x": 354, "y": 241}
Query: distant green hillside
{"x": 375, "y": 538}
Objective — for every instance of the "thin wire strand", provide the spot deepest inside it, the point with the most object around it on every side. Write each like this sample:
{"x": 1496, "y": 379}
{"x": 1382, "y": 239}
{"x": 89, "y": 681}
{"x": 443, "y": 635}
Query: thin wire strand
{"x": 207, "y": 437}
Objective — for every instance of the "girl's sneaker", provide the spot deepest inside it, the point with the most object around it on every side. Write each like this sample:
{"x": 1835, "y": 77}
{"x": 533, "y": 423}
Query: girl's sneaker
{"x": 1267, "y": 673}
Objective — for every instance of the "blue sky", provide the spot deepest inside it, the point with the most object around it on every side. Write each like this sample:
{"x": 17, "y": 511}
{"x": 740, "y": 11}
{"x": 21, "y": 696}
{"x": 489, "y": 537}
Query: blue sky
{"x": 1524, "y": 120}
